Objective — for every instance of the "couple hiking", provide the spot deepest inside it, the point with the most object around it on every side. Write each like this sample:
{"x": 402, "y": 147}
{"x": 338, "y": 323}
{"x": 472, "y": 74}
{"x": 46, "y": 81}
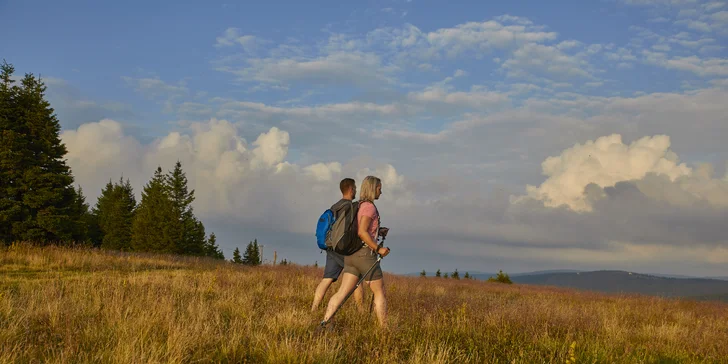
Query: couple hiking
{"x": 348, "y": 231}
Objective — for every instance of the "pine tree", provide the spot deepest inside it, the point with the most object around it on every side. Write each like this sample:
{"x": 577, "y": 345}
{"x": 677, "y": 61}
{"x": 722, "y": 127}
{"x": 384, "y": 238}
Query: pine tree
{"x": 445, "y": 276}
{"x": 467, "y": 275}
{"x": 37, "y": 197}
{"x": 151, "y": 226}
{"x": 257, "y": 259}
{"x": 12, "y": 138}
{"x": 188, "y": 232}
{"x": 501, "y": 278}
{"x": 252, "y": 254}
{"x": 236, "y": 256}
{"x": 115, "y": 213}
{"x": 455, "y": 274}
{"x": 437, "y": 274}
{"x": 423, "y": 273}
{"x": 211, "y": 248}
{"x": 84, "y": 219}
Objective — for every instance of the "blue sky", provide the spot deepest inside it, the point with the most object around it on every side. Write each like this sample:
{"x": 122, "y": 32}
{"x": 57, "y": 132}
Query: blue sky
{"x": 461, "y": 104}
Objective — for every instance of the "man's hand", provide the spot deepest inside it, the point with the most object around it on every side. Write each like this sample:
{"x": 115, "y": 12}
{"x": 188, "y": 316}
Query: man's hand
{"x": 383, "y": 231}
{"x": 383, "y": 249}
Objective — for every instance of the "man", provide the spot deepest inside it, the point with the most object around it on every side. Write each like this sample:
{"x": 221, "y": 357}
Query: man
{"x": 335, "y": 261}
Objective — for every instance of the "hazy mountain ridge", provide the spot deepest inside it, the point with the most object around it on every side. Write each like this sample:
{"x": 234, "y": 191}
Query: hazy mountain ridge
{"x": 617, "y": 281}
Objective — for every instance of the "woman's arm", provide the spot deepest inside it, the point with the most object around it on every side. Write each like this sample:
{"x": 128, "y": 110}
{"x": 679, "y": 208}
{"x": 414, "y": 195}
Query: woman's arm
{"x": 364, "y": 232}
{"x": 367, "y": 239}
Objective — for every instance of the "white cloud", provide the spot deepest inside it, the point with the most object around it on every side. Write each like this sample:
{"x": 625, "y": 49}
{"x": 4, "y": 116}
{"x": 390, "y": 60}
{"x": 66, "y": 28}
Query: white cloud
{"x": 474, "y": 99}
{"x": 660, "y": 2}
{"x": 694, "y": 64}
{"x": 713, "y": 5}
{"x": 99, "y": 152}
{"x": 696, "y": 25}
{"x": 544, "y": 59}
{"x": 340, "y": 68}
{"x": 232, "y": 179}
{"x": 484, "y": 37}
{"x": 232, "y": 37}
{"x": 155, "y": 87}
{"x": 603, "y": 162}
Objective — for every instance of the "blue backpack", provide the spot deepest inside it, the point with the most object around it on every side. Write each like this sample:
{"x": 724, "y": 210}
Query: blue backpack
{"x": 325, "y": 222}
{"x": 336, "y": 230}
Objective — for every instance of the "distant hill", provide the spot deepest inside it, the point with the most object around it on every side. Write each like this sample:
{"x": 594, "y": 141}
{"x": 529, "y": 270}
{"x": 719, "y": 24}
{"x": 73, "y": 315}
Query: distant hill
{"x": 626, "y": 282}
{"x": 615, "y": 281}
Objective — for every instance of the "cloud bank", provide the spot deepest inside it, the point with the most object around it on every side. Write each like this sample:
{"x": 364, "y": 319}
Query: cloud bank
{"x": 603, "y": 201}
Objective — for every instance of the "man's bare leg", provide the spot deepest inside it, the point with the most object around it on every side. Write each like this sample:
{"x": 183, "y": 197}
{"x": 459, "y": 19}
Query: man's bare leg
{"x": 320, "y": 292}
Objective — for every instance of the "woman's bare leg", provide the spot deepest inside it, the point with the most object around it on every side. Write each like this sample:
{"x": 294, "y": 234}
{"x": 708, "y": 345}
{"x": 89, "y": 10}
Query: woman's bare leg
{"x": 348, "y": 282}
{"x": 380, "y": 300}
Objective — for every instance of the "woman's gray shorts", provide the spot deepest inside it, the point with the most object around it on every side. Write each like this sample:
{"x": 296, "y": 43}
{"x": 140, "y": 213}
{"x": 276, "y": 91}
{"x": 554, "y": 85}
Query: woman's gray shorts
{"x": 360, "y": 262}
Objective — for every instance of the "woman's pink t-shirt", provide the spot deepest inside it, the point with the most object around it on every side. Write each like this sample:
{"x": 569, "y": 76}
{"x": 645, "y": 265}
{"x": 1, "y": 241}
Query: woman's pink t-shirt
{"x": 368, "y": 209}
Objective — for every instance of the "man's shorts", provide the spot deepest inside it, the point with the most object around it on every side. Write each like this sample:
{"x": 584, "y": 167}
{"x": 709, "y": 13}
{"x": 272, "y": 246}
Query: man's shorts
{"x": 334, "y": 265}
{"x": 360, "y": 262}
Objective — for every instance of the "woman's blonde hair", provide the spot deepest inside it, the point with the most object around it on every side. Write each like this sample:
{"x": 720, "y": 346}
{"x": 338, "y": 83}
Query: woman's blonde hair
{"x": 369, "y": 188}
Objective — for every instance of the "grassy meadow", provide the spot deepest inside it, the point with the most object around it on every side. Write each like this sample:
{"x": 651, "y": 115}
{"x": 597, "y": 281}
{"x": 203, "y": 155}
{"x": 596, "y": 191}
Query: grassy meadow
{"x": 77, "y": 305}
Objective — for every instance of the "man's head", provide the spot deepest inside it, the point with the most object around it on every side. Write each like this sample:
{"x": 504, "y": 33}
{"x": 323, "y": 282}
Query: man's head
{"x": 348, "y": 188}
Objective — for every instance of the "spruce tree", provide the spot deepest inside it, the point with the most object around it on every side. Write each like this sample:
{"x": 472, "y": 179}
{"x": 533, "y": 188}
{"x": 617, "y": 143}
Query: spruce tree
{"x": 115, "y": 213}
{"x": 455, "y": 274}
{"x": 248, "y": 254}
{"x": 84, "y": 226}
{"x": 252, "y": 254}
{"x": 211, "y": 248}
{"x": 467, "y": 275}
{"x": 151, "y": 230}
{"x": 423, "y": 273}
{"x": 236, "y": 256}
{"x": 37, "y": 198}
{"x": 12, "y": 139}
{"x": 188, "y": 232}
{"x": 437, "y": 274}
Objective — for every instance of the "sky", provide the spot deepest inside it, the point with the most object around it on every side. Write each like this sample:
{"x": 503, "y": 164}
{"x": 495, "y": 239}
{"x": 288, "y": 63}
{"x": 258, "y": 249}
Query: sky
{"x": 518, "y": 136}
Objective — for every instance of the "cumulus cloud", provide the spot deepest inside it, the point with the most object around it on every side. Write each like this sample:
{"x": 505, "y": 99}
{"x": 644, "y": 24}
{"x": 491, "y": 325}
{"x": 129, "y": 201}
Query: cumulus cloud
{"x": 603, "y": 163}
{"x": 232, "y": 178}
{"x": 600, "y": 200}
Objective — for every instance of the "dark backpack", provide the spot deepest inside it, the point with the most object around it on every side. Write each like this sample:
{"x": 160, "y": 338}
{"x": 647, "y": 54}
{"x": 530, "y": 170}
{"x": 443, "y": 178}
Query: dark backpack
{"x": 336, "y": 228}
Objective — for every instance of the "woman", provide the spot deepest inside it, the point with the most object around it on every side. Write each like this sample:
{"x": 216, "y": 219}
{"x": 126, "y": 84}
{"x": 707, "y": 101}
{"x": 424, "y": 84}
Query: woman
{"x": 357, "y": 264}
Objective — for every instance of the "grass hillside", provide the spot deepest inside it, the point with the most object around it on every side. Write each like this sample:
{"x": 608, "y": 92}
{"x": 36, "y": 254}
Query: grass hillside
{"x": 79, "y": 305}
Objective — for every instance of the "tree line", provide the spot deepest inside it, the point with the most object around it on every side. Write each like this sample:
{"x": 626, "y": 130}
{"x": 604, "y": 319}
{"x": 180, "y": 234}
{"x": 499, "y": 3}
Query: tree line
{"x": 500, "y": 277}
{"x": 39, "y": 202}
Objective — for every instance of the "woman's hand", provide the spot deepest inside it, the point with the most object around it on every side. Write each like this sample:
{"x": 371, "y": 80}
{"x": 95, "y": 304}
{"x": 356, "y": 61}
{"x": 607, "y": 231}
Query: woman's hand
{"x": 385, "y": 249}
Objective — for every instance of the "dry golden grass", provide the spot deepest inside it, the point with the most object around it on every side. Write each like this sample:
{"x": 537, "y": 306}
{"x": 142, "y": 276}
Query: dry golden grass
{"x": 78, "y": 305}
